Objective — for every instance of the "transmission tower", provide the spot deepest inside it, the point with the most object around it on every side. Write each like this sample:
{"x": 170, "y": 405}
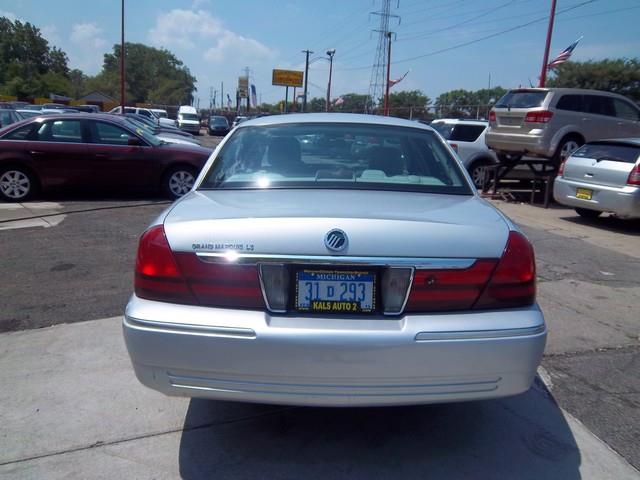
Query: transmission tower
{"x": 379, "y": 67}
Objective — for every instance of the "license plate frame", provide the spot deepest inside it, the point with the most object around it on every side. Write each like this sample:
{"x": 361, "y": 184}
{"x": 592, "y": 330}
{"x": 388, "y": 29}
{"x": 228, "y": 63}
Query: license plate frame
{"x": 584, "y": 193}
{"x": 326, "y": 277}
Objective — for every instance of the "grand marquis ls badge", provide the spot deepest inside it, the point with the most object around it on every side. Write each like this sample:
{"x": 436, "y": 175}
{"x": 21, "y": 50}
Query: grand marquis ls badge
{"x": 336, "y": 240}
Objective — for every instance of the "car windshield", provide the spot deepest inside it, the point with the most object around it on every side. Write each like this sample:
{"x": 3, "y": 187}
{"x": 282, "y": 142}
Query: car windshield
{"x": 522, "y": 99}
{"x": 142, "y": 131}
{"x": 218, "y": 120}
{"x": 328, "y": 156}
{"x": 189, "y": 116}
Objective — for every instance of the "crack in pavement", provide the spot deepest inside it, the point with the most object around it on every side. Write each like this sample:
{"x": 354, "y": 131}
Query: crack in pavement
{"x": 100, "y": 443}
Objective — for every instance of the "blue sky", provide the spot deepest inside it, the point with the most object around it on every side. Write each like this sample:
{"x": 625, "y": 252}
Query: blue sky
{"x": 216, "y": 39}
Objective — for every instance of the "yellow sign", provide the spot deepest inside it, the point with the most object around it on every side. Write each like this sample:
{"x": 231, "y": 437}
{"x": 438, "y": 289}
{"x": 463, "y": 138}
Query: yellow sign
{"x": 287, "y": 78}
{"x": 243, "y": 87}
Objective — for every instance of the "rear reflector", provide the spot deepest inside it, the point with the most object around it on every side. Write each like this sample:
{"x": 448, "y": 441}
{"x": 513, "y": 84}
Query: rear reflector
{"x": 157, "y": 276}
{"x": 561, "y": 168}
{"x": 538, "y": 117}
{"x": 395, "y": 283}
{"x": 434, "y": 290}
{"x": 513, "y": 284}
{"x": 221, "y": 284}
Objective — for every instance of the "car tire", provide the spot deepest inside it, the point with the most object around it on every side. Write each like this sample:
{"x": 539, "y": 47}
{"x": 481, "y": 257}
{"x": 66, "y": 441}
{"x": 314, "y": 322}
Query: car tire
{"x": 566, "y": 146}
{"x": 477, "y": 171}
{"x": 177, "y": 181}
{"x": 587, "y": 213}
{"x": 17, "y": 184}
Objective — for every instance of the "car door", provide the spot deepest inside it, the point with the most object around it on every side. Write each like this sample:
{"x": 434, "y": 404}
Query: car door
{"x": 59, "y": 153}
{"x": 116, "y": 164}
{"x": 628, "y": 118}
{"x": 600, "y": 118}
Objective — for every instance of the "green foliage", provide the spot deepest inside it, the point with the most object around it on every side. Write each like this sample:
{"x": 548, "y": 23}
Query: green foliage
{"x": 152, "y": 75}
{"x": 28, "y": 66}
{"x": 407, "y": 103}
{"x": 316, "y": 104}
{"x": 352, "y": 102}
{"x": 619, "y": 76}
{"x": 467, "y": 103}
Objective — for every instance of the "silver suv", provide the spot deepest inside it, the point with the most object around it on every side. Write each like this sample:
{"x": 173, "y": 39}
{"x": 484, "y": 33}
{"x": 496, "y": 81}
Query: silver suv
{"x": 553, "y": 122}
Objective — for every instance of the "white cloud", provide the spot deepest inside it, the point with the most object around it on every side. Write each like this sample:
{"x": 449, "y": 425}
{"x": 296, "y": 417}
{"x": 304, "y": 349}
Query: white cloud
{"x": 50, "y": 32}
{"x": 11, "y": 16}
{"x": 88, "y": 47}
{"x": 188, "y": 29}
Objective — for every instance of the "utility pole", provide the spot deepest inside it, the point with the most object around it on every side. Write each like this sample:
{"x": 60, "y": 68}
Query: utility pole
{"x": 545, "y": 60}
{"x": 122, "y": 93}
{"x": 246, "y": 72}
{"x": 215, "y": 94}
{"x": 331, "y": 53}
{"x": 306, "y": 76}
{"x": 386, "y": 91}
{"x": 221, "y": 96}
{"x": 377, "y": 86}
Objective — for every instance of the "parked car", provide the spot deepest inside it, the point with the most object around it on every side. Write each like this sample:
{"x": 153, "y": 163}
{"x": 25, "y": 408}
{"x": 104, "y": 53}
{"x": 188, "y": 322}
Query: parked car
{"x": 29, "y": 113}
{"x": 314, "y": 280}
{"x": 162, "y": 130}
{"x": 159, "y": 112}
{"x": 553, "y": 122}
{"x": 147, "y": 113}
{"x": 32, "y": 107}
{"x": 601, "y": 176}
{"x": 9, "y": 116}
{"x": 238, "y": 120}
{"x": 87, "y": 108}
{"x": 188, "y": 119}
{"x": 95, "y": 151}
{"x": 218, "y": 125}
{"x": 467, "y": 138}
{"x": 161, "y": 135}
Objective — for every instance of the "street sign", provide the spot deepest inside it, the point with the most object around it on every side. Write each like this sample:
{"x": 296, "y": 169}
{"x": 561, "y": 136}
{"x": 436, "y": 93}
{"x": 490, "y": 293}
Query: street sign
{"x": 243, "y": 87}
{"x": 287, "y": 78}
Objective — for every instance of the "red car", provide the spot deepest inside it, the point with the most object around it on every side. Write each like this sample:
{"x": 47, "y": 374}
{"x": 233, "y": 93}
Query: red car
{"x": 98, "y": 151}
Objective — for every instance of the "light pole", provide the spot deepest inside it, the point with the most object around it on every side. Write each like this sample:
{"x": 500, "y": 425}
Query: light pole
{"x": 331, "y": 53}
{"x": 545, "y": 60}
{"x": 306, "y": 76}
{"x": 122, "y": 94}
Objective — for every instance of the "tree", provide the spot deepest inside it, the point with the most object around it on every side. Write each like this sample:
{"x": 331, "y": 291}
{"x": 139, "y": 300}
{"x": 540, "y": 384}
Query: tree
{"x": 619, "y": 76}
{"x": 28, "y": 66}
{"x": 404, "y": 102}
{"x": 317, "y": 104}
{"x": 152, "y": 75}
{"x": 467, "y": 103}
{"x": 352, "y": 102}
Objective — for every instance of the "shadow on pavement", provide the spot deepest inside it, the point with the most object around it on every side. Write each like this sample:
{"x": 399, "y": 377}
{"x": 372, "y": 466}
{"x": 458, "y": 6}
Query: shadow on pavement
{"x": 519, "y": 437}
{"x": 609, "y": 222}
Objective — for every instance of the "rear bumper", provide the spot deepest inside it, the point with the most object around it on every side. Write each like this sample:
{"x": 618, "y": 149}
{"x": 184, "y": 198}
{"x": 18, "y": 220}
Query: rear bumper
{"x": 520, "y": 143}
{"x": 252, "y": 356}
{"x": 623, "y": 201}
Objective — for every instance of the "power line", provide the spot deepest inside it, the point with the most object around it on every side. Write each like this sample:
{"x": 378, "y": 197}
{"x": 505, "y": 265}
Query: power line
{"x": 486, "y": 37}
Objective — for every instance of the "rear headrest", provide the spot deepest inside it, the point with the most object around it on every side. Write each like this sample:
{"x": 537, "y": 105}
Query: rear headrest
{"x": 387, "y": 159}
{"x": 284, "y": 151}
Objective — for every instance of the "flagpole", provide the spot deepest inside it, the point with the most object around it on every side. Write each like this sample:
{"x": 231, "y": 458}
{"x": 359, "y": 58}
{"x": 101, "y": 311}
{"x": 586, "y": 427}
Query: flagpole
{"x": 545, "y": 60}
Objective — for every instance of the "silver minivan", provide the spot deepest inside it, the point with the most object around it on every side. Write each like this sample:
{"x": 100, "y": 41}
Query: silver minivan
{"x": 553, "y": 122}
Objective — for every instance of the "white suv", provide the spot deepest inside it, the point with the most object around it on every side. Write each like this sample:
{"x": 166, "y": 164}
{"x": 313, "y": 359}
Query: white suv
{"x": 147, "y": 112}
{"x": 466, "y": 137}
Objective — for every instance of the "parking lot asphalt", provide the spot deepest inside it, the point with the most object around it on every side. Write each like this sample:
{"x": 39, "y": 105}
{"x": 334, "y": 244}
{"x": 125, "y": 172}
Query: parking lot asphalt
{"x": 72, "y": 407}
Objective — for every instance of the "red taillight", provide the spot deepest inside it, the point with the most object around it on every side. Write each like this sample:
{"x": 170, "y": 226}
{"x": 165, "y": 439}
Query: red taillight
{"x": 221, "y": 284}
{"x": 157, "y": 276}
{"x": 561, "y": 168}
{"x": 513, "y": 284}
{"x": 634, "y": 176}
{"x": 434, "y": 290}
{"x": 454, "y": 146}
{"x": 538, "y": 117}
{"x": 492, "y": 116}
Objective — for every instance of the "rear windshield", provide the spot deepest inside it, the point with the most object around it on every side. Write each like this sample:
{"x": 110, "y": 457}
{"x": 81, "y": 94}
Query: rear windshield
{"x": 522, "y": 99}
{"x": 459, "y": 132}
{"x": 344, "y": 156}
{"x": 616, "y": 152}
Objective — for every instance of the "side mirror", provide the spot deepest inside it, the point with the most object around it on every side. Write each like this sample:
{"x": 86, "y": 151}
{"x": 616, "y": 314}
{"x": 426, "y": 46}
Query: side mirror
{"x": 134, "y": 142}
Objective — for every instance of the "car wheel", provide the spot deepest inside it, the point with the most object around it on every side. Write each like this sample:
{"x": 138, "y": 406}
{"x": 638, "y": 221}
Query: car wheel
{"x": 567, "y": 146}
{"x": 478, "y": 171}
{"x": 16, "y": 184}
{"x": 178, "y": 181}
{"x": 586, "y": 213}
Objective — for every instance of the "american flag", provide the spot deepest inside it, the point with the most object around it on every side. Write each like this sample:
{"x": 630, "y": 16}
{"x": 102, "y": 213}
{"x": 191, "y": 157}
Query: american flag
{"x": 393, "y": 82}
{"x": 563, "y": 56}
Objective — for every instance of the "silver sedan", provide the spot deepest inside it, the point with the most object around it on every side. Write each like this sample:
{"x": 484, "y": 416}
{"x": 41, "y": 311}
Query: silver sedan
{"x": 602, "y": 176}
{"x": 314, "y": 277}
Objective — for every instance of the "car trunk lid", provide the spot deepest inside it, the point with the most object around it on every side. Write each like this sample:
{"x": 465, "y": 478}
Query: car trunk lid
{"x": 602, "y": 163}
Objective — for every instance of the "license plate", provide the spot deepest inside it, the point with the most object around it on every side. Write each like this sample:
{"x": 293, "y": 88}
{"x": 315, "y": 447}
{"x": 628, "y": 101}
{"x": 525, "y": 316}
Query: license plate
{"x": 584, "y": 193}
{"x": 511, "y": 121}
{"x": 335, "y": 291}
